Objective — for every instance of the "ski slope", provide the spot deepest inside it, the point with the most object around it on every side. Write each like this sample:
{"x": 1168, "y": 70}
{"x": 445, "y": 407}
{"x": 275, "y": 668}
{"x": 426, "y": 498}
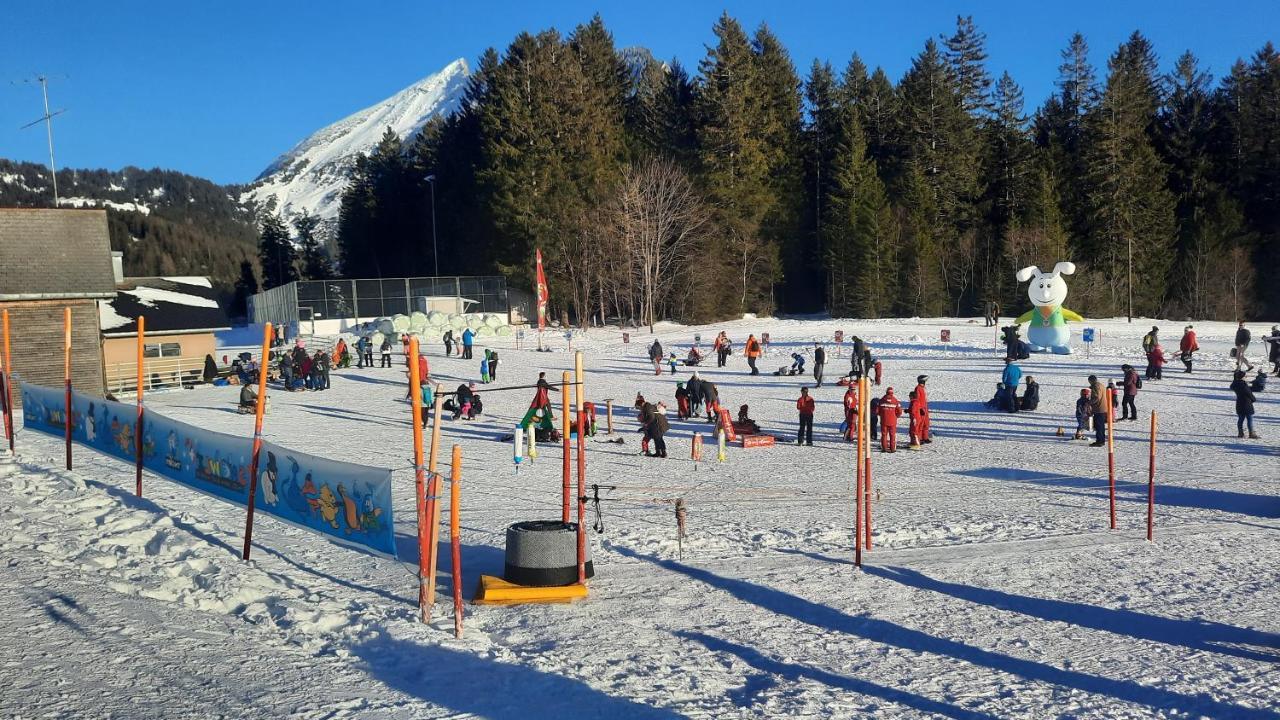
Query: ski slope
{"x": 994, "y": 589}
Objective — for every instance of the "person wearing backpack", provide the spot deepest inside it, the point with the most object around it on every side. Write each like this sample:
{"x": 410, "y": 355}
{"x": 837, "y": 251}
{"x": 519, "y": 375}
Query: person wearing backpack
{"x": 1132, "y": 383}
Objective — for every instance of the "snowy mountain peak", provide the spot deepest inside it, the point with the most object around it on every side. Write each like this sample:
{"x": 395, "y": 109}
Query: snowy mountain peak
{"x": 314, "y": 173}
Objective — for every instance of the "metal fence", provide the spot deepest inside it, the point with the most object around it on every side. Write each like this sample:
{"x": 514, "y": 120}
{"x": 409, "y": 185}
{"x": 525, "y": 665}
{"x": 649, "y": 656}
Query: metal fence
{"x": 379, "y": 297}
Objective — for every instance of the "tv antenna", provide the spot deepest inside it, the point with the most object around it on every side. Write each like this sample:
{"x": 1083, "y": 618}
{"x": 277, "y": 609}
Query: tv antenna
{"x": 47, "y": 119}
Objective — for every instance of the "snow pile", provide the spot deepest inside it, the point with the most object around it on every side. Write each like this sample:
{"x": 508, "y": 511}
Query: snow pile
{"x": 312, "y": 176}
{"x": 134, "y": 548}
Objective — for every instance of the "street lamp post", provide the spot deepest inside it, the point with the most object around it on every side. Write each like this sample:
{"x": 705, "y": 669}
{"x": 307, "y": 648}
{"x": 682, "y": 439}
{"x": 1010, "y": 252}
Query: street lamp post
{"x": 435, "y": 248}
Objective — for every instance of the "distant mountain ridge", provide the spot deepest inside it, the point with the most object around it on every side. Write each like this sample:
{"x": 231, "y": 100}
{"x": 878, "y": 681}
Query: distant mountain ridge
{"x": 312, "y": 176}
{"x": 165, "y": 222}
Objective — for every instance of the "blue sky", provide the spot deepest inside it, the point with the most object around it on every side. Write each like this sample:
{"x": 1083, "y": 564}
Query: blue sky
{"x": 218, "y": 89}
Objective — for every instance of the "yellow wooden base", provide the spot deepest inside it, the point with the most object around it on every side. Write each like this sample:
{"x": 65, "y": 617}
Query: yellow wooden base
{"x": 496, "y": 591}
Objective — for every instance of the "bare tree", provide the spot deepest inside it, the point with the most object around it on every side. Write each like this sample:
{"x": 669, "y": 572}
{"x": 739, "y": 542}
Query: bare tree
{"x": 659, "y": 218}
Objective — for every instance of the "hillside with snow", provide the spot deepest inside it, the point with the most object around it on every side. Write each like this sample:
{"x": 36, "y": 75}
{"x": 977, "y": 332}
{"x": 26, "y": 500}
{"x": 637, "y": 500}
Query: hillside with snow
{"x": 313, "y": 174}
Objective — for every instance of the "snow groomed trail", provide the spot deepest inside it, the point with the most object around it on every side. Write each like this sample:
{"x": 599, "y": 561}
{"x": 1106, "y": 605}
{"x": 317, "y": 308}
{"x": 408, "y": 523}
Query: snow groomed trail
{"x": 994, "y": 589}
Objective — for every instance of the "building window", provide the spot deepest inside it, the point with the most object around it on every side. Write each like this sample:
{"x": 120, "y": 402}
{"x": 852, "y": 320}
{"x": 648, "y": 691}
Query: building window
{"x": 162, "y": 350}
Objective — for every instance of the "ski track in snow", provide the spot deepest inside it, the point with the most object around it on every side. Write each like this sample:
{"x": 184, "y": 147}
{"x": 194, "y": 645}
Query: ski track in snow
{"x": 994, "y": 589}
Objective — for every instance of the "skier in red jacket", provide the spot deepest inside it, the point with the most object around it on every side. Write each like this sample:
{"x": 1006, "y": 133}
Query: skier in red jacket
{"x": 890, "y": 411}
{"x": 850, "y": 411}
{"x": 922, "y": 417}
{"x": 805, "y": 406}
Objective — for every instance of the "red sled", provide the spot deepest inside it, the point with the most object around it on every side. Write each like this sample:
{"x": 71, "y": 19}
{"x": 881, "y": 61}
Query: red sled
{"x": 750, "y": 441}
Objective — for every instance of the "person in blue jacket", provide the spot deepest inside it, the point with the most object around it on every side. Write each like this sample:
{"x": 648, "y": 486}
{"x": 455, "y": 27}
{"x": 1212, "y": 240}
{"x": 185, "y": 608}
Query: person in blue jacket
{"x": 468, "y": 337}
{"x": 1011, "y": 377}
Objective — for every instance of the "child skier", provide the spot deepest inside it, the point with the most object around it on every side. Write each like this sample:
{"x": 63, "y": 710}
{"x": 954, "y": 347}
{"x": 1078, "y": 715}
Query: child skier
{"x": 484, "y": 369}
{"x": 672, "y": 362}
{"x": 915, "y": 420}
{"x": 1084, "y": 410}
{"x": 682, "y": 402}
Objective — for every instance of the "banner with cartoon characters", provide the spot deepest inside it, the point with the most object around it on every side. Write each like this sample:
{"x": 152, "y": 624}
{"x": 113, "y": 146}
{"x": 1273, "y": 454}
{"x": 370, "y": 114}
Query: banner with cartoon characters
{"x": 349, "y": 504}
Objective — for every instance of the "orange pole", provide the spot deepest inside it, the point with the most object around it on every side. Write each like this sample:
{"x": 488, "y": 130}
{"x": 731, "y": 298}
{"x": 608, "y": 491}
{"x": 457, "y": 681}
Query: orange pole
{"x": 579, "y": 394}
{"x": 1111, "y": 455}
{"x": 433, "y": 513}
{"x": 1151, "y": 481}
{"x": 566, "y": 390}
{"x": 857, "y": 484}
{"x": 455, "y": 542}
{"x": 66, "y": 375}
{"x": 8, "y": 384}
{"x": 137, "y": 427}
{"x": 419, "y": 473}
{"x": 257, "y": 437}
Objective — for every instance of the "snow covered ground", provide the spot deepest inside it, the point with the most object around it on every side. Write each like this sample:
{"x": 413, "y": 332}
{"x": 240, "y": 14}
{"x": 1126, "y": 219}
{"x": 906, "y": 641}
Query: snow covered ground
{"x": 995, "y": 588}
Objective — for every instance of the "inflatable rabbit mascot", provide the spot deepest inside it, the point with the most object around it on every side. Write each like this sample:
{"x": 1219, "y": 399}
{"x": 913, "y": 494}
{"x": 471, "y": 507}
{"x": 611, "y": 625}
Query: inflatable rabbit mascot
{"x": 1048, "y": 331}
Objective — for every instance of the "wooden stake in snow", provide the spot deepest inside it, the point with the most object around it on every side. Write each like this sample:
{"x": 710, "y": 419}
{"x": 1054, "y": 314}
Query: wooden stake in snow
{"x": 8, "y": 383}
{"x": 455, "y": 542}
{"x": 257, "y": 438}
{"x": 66, "y": 375}
{"x": 137, "y": 426}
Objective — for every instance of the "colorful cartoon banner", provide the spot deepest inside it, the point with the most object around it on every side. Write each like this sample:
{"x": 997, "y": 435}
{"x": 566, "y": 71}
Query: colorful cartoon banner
{"x": 347, "y": 503}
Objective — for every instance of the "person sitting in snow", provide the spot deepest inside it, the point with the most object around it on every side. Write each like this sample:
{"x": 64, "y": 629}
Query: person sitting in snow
{"x": 997, "y": 400}
{"x": 797, "y": 364}
{"x": 1259, "y": 383}
{"x": 1030, "y": 395}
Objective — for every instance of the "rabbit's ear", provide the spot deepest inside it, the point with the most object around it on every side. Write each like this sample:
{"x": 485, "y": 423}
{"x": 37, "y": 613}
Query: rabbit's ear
{"x": 1064, "y": 268}
{"x": 1025, "y": 273}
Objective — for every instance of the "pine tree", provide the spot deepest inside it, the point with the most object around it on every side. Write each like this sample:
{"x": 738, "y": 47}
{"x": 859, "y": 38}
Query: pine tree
{"x": 967, "y": 54}
{"x": 939, "y": 151}
{"x": 734, "y": 165}
{"x": 1132, "y": 210}
{"x": 315, "y": 263}
{"x": 245, "y": 286}
{"x": 1008, "y": 183}
{"x": 276, "y": 253}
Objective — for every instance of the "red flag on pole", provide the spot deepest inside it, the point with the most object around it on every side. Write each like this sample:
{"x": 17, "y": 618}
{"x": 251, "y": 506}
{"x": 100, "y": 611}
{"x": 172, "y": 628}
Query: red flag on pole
{"x": 542, "y": 294}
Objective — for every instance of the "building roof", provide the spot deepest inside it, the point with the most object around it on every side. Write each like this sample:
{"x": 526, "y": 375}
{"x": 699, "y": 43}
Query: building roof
{"x": 48, "y": 254}
{"x": 171, "y": 305}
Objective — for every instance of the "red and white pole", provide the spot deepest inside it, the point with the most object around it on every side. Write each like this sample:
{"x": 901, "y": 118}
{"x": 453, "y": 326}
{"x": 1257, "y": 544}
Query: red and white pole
{"x": 455, "y": 541}
{"x": 8, "y": 383}
{"x": 1111, "y": 454}
{"x": 1151, "y": 481}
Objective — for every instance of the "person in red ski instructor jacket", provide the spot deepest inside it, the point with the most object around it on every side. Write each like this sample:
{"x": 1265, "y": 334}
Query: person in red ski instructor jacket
{"x": 922, "y": 416}
{"x": 890, "y": 410}
{"x": 850, "y": 412}
{"x": 1188, "y": 347}
{"x": 805, "y": 406}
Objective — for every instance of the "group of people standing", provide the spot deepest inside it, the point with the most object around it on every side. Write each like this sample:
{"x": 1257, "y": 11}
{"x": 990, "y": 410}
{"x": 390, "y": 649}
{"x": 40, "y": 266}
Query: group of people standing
{"x": 300, "y": 370}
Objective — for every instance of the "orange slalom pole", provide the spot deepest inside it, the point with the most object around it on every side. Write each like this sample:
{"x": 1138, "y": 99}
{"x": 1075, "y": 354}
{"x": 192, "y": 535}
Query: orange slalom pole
{"x": 257, "y": 437}
{"x": 1111, "y": 456}
{"x": 66, "y": 375}
{"x": 137, "y": 427}
{"x": 580, "y": 393}
{"x": 433, "y": 514}
{"x": 1151, "y": 481}
{"x": 566, "y": 391}
{"x": 8, "y": 383}
{"x": 608, "y": 408}
{"x": 419, "y": 473}
{"x": 455, "y": 542}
